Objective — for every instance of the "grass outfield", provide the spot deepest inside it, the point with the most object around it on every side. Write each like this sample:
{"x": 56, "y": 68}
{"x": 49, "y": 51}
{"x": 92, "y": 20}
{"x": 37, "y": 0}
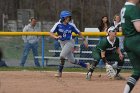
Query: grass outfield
{"x": 54, "y": 69}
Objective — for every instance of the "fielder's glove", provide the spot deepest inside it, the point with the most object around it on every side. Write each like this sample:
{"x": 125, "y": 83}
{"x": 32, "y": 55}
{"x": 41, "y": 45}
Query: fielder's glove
{"x": 110, "y": 71}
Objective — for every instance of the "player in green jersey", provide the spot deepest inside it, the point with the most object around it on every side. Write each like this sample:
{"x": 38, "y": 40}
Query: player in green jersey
{"x": 130, "y": 19}
{"x": 108, "y": 50}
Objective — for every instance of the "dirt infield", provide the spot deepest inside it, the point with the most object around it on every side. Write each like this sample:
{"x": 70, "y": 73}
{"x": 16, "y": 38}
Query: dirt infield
{"x": 45, "y": 82}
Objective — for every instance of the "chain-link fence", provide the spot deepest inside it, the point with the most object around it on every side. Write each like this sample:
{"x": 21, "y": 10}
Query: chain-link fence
{"x": 13, "y": 49}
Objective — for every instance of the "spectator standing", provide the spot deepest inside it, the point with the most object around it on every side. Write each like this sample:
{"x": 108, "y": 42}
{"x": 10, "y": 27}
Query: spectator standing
{"x": 2, "y": 62}
{"x": 30, "y": 42}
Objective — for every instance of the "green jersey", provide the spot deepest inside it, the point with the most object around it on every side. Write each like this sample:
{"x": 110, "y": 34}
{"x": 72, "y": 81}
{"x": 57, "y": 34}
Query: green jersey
{"x": 129, "y": 14}
{"x": 106, "y": 45}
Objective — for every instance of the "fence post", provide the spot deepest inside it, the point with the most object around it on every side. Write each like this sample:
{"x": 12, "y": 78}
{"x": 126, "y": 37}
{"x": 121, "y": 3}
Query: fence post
{"x": 43, "y": 50}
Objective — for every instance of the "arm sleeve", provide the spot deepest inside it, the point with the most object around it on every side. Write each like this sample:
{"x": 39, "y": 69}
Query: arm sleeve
{"x": 75, "y": 29}
{"x": 39, "y": 37}
{"x": 25, "y": 29}
{"x": 54, "y": 28}
{"x": 102, "y": 45}
{"x": 135, "y": 14}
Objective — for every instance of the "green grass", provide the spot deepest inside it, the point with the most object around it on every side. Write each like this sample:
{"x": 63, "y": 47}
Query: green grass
{"x": 26, "y": 68}
{"x": 41, "y": 69}
{"x": 54, "y": 69}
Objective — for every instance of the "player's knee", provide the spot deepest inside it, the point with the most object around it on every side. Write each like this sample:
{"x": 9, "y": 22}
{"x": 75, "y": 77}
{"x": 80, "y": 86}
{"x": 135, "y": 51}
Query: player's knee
{"x": 73, "y": 61}
{"x": 62, "y": 60}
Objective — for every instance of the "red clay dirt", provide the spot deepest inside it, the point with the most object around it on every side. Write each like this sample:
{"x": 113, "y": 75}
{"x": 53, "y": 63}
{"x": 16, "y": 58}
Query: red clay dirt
{"x": 45, "y": 82}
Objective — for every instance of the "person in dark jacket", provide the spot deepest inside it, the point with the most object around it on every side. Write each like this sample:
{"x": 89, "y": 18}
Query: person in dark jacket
{"x": 2, "y": 62}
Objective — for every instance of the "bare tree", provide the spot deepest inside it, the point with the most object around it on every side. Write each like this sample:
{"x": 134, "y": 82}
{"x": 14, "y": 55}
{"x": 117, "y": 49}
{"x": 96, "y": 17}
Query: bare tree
{"x": 85, "y": 13}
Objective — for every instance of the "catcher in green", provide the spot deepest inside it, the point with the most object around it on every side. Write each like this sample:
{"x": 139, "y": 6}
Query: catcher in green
{"x": 108, "y": 50}
{"x": 130, "y": 19}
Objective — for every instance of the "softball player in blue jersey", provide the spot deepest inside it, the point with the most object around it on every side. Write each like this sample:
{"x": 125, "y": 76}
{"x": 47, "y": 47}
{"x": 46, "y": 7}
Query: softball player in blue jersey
{"x": 64, "y": 28}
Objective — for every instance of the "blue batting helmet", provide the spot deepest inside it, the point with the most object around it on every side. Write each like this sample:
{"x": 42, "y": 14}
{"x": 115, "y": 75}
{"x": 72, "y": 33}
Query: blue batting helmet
{"x": 65, "y": 14}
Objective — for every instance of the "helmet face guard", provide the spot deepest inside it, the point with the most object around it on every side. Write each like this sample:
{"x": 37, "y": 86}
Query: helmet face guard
{"x": 65, "y": 14}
